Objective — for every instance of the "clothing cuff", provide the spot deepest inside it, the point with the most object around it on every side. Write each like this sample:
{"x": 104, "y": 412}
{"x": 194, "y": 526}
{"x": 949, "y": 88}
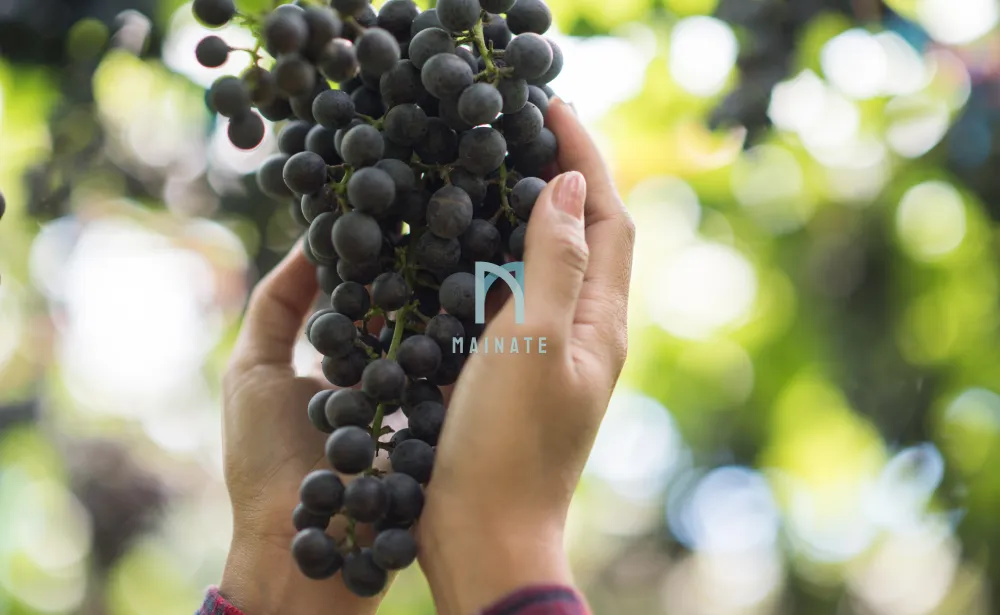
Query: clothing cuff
{"x": 539, "y": 600}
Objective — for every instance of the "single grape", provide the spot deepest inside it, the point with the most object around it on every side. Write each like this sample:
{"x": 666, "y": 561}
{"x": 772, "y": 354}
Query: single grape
{"x": 349, "y": 407}
{"x": 396, "y": 151}
{"x": 328, "y": 278}
{"x": 324, "y": 26}
{"x": 451, "y": 368}
{"x": 497, "y": 6}
{"x": 357, "y": 237}
{"x": 333, "y": 109}
{"x": 458, "y": 15}
{"x": 401, "y": 435}
{"x": 214, "y": 13}
{"x": 480, "y": 103}
{"x": 322, "y": 493}
{"x": 362, "y": 576}
{"x": 495, "y": 31}
{"x": 397, "y": 17}
{"x": 480, "y": 242}
{"x": 345, "y": 371}
{"x": 377, "y": 51}
{"x": 316, "y": 554}
{"x": 383, "y": 380}
{"x": 446, "y": 75}
{"x": 261, "y": 86}
{"x": 278, "y": 109}
{"x": 437, "y": 252}
{"x": 371, "y": 191}
{"x": 285, "y": 31}
{"x": 350, "y": 450}
{"x": 406, "y": 498}
{"x": 439, "y": 145}
{"x": 401, "y": 84}
{"x": 414, "y": 458}
{"x": 482, "y": 150}
{"x": 419, "y": 391}
{"x": 212, "y": 51}
{"x": 390, "y": 291}
{"x": 428, "y": 43}
{"x": 338, "y": 139}
{"x": 338, "y": 61}
{"x": 448, "y": 111}
{"x": 292, "y": 138}
{"x": 458, "y": 295}
{"x": 444, "y": 328}
{"x": 529, "y": 55}
{"x": 320, "y": 235}
{"x": 537, "y": 97}
{"x": 363, "y": 272}
{"x": 302, "y": 105}
{"x": 423, "y": 21}
{"x": 317, "y": 410}
{"x": 294, "y": 75}
{"x": 516, "y": 242}
{"x": 362, "y": 146}
{"x": 406, "y": 124}
{"x": 351, "y": 299}
{"x": 523, "y": 126}
{"x": 366, "y": 499}
{"x": 466, "y": 54}
{"x": 246, "y": 131}
{"x": 419, "y": 356}
{"x": 426, "y": 421}
{"x": 532, "y": 158}
{"x": 317, "y": 204}
{"x": 305, "y": 173}
{"x": 269, "y": 177}
{"x": 514, "y": 92}
{"x": 524, "y": 196}
{"x": 449, "y": 212}
{"x": 320, "y": 140}
{"x": 368, "y": 101}
{"x": 333, "y": 335}
{"x": 401, "y": 173}
{"x": 554, "y": 68}
{"x": 229, "y": 97}
{"x": 303, "y": 519}
{"x": 394, "y": 549}
{"x": 529, "y": 16}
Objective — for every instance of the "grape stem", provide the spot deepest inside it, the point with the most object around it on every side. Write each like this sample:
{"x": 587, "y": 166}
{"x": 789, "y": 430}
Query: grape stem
{"x": 397, "y": 339}
{"x": 480, "y": 40}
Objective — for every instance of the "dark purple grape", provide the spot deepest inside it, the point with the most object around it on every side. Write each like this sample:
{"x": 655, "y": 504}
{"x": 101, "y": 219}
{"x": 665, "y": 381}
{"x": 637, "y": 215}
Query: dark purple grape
{"x": 212, "y": 51}
{"x": 352, "y": 300}
{"x": 316, "y": 554}
{"x": 414, "y": 458}
{"x": 317, "y": 411}
{"x": 383, "y": 380}
{"x": 350, "y": 450}
{"x": 333, "y": 335}
{"x": 349, "y": 407}
{"x": 419, "y": 356}
{"x": 322, "y": 492}
{"x": 345, "y": 371}
{"x": 406, "y": 498}
{"x": 362, "y": 576}
{"x": 303, "y": 519}
{"x": 366, "y": 499}
{"x": 394, "y": 549}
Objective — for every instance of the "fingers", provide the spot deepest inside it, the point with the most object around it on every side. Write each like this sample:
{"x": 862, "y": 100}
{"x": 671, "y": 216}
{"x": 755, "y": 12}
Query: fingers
{"x": 610, "y": 236}
{"x": 277, "y": 308}
{"x": 555, "y": 258}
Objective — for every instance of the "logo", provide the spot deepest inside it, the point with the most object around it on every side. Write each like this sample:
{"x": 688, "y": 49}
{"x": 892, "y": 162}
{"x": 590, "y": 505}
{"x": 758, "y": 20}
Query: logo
{"x": 486, "y": 274}
{"x": 513, "y": 275}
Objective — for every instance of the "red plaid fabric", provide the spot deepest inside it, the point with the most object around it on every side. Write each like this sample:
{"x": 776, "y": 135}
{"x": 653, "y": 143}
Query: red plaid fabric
{"x": 542, "y": 600}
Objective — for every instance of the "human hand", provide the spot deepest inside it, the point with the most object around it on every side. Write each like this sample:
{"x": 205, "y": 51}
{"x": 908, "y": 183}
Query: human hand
{"x": 520, "y": 426}
{"x": 269, "y": 446}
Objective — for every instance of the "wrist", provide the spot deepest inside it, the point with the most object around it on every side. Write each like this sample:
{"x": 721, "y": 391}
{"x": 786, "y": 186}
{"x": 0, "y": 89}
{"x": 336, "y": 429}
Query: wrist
{"x": 471, "y": 562}
{"x": 260, "y": 578}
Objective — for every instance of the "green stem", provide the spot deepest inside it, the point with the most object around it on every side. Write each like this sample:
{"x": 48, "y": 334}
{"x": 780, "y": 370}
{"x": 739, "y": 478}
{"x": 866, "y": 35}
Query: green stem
{"x": 480, "y": 39}
{"x": 397, "y": 339}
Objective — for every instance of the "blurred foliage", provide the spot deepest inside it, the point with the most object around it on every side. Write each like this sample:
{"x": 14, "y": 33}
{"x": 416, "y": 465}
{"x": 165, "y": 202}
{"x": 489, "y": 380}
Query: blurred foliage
{"x": 809, "y": 422}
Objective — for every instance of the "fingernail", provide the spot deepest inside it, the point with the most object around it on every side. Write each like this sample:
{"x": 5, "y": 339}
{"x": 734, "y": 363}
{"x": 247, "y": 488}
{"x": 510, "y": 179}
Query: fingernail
{"x": 570, "y": 194}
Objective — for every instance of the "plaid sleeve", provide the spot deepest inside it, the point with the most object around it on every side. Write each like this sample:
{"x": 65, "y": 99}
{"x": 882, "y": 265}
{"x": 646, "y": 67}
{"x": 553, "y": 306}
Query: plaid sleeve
{"x": 541, "y": 600}
{"x": 215, "y": 604}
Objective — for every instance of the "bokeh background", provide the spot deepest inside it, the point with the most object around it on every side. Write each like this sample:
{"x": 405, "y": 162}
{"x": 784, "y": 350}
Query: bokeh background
{"x": 809, "y": 421}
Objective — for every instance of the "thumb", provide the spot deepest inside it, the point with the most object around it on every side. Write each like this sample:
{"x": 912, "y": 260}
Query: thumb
{"x": 556, "y": 256}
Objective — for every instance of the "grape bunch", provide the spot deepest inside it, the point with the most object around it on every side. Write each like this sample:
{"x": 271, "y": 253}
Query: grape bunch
{"x": 411, "y": 146}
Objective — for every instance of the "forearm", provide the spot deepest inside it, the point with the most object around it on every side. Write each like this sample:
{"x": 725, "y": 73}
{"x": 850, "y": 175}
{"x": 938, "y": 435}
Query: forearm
{"x": 483, "y": 562}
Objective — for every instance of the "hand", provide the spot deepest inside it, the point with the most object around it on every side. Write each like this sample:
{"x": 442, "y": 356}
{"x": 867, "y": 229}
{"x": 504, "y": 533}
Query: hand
{"x": 269, "y": 447}
{"x": 520, "y": 426}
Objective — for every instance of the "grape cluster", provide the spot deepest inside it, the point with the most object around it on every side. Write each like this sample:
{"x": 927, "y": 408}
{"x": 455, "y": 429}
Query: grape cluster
{"x": 411, "y": 144}
{"x": 769, "y": 31}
